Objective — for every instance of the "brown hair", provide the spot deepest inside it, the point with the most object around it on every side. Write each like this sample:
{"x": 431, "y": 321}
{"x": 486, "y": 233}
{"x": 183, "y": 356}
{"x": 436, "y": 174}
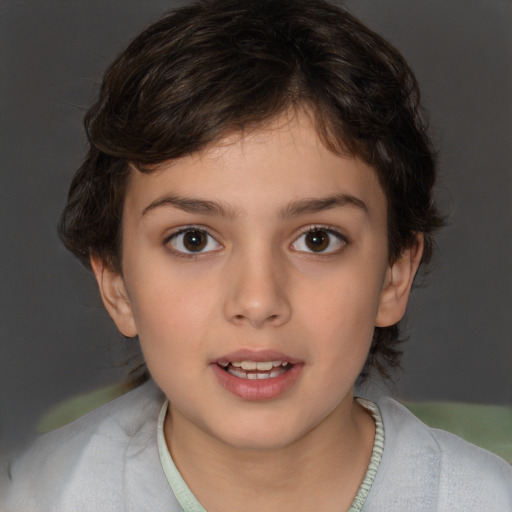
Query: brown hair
{"x": 218, "y": 66}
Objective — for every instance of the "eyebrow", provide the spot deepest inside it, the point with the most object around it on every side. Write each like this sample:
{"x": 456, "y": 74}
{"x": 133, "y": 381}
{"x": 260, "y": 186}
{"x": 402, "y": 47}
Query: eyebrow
{"x": 314, "y": 205}
{"x": 292, "y": 209}
{"x": 191, "y": 205}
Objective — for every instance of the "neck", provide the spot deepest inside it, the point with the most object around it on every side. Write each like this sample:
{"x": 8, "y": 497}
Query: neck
{"x": 322, "y": 470}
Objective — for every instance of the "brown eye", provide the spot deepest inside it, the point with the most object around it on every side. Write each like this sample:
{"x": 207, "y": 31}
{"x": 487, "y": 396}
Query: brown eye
{"x": 194, "y": 241}
{"x": 317, "y": 240}
{"x": 191, "y": 241}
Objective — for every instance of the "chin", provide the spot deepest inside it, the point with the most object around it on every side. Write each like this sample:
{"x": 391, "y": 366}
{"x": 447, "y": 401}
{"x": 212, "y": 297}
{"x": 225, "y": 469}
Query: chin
{"x": 261, "y": 441}
{"x": 261, "y": 434}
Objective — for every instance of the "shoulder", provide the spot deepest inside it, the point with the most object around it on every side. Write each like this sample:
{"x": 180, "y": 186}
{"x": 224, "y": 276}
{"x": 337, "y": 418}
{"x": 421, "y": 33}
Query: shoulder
{"x": 88, "y": 464}
{"x": 433, "y": 470}
{"x": 480, "y": 476}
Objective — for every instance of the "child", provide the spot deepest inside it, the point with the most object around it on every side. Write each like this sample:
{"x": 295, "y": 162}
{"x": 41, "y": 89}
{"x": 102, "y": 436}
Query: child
{"x": 255, "y": 203}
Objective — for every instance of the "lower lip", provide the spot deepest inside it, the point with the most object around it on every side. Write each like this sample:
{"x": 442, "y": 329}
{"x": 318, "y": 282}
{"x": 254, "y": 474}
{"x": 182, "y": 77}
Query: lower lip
{"x": 262, "y": 389}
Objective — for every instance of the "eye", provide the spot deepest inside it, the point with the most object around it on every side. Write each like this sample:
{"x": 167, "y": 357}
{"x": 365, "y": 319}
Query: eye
{"x": 193, "y": 241}
{"x": 319, "y": 240}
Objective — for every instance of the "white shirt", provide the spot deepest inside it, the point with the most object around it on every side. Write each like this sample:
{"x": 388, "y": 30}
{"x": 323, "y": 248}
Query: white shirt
{"x": 108, "y": 461}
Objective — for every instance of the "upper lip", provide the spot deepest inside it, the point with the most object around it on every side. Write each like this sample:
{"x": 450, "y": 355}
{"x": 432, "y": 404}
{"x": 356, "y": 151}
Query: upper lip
{"x": 256, "y": 355}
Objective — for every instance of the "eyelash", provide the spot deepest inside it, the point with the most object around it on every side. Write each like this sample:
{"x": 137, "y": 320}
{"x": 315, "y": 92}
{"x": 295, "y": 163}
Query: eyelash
{"x": 189, "y": 229}
{"x": 331, "y": 232}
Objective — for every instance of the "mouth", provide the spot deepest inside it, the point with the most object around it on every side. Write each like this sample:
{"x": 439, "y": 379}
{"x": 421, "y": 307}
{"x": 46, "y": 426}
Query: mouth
{"x": 257, "y": 375}
{"x": 255, "y": 370}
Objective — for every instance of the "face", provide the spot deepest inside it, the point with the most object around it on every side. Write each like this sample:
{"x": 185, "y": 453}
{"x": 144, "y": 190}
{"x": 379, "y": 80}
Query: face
{"x": 254, "y": 273}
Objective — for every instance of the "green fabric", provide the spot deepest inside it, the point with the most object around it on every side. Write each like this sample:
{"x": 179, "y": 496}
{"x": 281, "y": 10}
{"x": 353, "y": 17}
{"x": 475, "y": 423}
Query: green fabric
{"x": 188, "y": 502}
{"x": 373, "y": 466}
{"x": 488, "y": 426}
{"x": 71, "y": 409}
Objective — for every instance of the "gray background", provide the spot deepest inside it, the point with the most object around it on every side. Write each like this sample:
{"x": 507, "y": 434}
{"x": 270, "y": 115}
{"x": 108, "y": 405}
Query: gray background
{"x": 55, "y": 339}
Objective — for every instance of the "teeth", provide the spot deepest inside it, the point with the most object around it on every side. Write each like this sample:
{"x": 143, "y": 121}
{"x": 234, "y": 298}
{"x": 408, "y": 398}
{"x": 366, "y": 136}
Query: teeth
{"x": 237, "y": 373}
{"x": 255, "y": 376}
{"x": 241, "y": 373}
{"x": 263, "y": 366}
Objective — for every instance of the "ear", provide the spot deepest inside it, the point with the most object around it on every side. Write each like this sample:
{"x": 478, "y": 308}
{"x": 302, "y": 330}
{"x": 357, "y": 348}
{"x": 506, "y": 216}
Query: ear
{"x": 397, "y": 285}
{"x": 114, "y": 296}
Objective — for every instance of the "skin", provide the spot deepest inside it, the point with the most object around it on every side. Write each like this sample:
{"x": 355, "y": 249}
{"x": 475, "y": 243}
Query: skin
{"x": 257, "y": 286}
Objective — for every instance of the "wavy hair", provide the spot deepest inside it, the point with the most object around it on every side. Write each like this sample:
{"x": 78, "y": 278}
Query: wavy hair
{"x": 219, "y": 66}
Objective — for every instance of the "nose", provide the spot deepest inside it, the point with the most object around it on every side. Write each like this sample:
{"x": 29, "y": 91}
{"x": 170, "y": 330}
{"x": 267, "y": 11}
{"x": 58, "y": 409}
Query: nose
{"x": 257, "y": 292}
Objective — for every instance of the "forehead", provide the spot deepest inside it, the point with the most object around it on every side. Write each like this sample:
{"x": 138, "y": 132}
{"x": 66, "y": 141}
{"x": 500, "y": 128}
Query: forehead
{"x": 262, "y": 169}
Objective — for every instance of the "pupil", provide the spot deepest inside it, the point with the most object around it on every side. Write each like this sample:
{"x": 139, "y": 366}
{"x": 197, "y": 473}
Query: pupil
{"x": 317, "y": 240}
{"x": 194, "y": 240}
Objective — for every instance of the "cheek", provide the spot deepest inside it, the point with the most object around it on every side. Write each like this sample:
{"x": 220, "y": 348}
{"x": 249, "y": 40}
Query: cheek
{"x": 171, "y": 308}
{"x": 341, "y": 316}
{"x": 343, "y": 301}
{"x": 173, "y": 325}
